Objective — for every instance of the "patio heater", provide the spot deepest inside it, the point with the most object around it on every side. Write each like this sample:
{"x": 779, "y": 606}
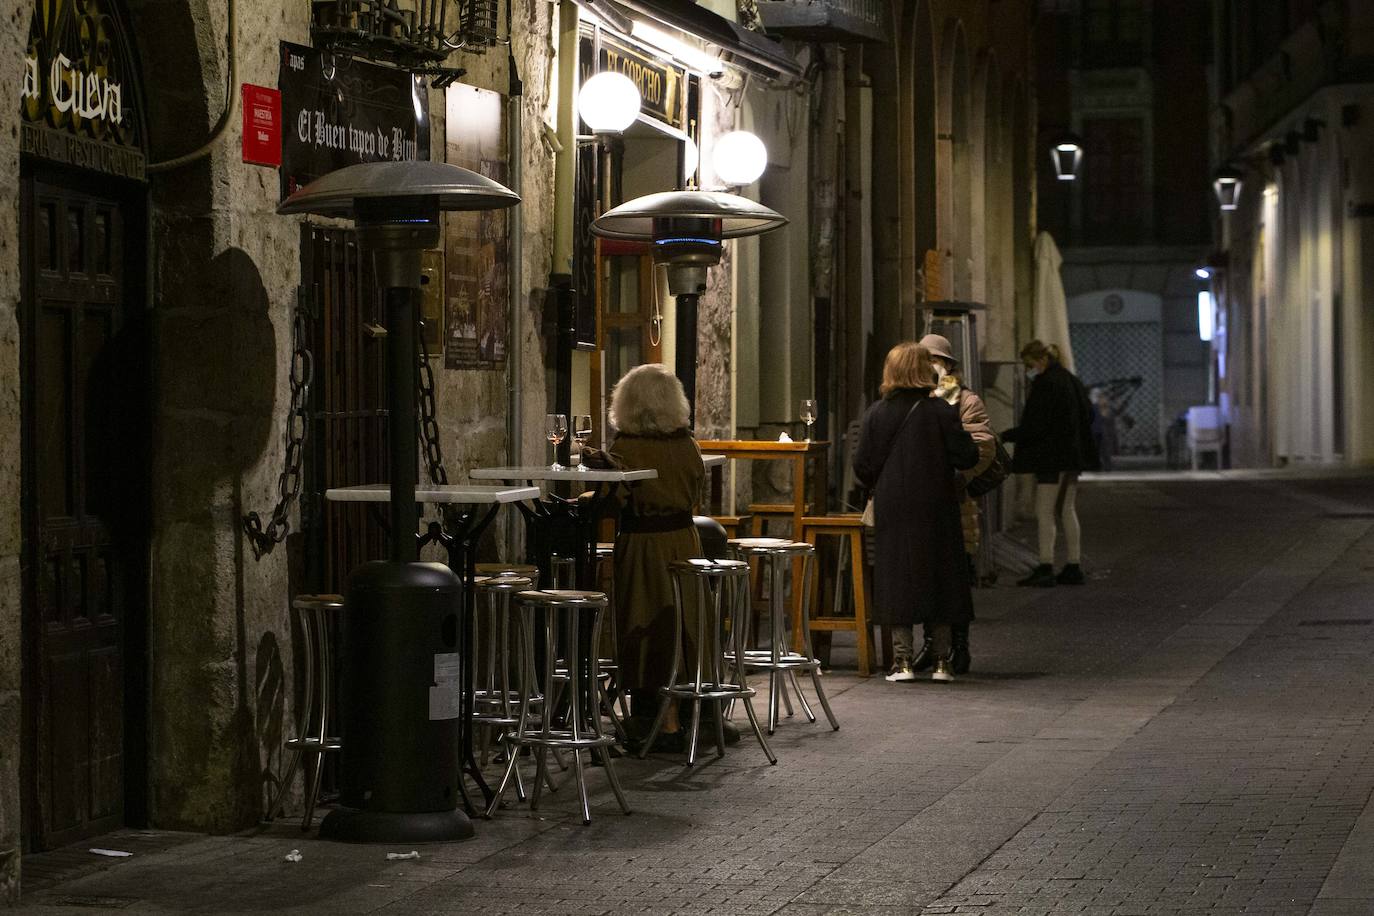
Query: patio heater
{"x": 400, "y": 770}
{"x": 687, "y": 230}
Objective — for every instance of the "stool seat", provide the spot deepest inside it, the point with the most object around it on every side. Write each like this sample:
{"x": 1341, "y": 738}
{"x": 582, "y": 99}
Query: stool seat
{"x": 505, "y": 582}
{"x": 314, "y": 615}
{"x": 721, "y": 597}
{"x": 514, "y": 569}
{"x": 781, "y": 662}
{"x": 571, "y": 628}
{"x": 756, "y": 544}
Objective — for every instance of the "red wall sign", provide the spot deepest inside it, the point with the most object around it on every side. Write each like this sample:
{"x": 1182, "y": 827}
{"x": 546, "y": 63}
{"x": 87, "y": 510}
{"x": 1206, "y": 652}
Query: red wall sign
{"x": 261, "y": 125}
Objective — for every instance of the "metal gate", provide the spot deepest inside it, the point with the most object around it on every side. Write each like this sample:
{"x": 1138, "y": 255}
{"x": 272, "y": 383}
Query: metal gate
{"x": 349, "y": 433}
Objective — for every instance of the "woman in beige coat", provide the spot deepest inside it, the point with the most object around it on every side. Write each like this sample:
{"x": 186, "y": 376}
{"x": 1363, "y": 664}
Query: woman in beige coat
{"x": 650, "y": 414}
{"x": 973, "y": 415}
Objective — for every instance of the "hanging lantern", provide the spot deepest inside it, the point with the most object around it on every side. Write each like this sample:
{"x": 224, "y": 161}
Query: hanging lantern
{"x": 1226, "y": 183}
{"x": 1067, "y": 156}
{"x": 608, "y": 102}
{"x": 739, "y": 158}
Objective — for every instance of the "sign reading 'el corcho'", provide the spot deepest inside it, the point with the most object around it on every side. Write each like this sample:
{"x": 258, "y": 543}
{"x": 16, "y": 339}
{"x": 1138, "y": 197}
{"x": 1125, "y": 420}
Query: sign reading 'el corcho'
{"x": 79, "y": 100}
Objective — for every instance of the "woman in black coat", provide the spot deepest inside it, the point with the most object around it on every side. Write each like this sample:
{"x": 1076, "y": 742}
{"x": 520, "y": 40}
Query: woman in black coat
{"x": 1054, "y": 441}
{"x": 909, "y": 450}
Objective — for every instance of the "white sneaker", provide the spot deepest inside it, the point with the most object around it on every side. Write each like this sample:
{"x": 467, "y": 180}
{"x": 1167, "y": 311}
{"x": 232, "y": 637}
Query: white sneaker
{"x": 901, "y": 672}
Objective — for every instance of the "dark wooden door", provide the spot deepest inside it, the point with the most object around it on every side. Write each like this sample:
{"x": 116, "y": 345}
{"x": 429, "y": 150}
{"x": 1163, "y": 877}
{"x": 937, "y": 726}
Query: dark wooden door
{"x": 84, "y": 483}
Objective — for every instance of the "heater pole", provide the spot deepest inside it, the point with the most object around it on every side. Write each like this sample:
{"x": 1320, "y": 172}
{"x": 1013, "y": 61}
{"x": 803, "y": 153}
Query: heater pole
{"x": 400, "y": 402}
{"x": 686, "y": 347}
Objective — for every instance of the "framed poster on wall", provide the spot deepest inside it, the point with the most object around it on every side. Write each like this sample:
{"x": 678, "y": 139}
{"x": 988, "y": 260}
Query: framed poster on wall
{"x": 476, "y": 245}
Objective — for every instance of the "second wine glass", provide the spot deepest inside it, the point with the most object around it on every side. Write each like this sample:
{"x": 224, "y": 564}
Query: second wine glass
{"x": 582, "y": 431}
{"x": 555, "y": 430}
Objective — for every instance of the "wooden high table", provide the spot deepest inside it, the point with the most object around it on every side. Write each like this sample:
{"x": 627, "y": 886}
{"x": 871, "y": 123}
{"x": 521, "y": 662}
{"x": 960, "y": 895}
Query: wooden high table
{"x": 797, "y": 453}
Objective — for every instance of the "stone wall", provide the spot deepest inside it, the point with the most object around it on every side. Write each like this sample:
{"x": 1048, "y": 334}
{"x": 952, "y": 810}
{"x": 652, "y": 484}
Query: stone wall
{"x": 14, "y": 33}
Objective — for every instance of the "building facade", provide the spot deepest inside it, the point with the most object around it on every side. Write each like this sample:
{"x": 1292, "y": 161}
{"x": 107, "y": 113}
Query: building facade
{"x": 1127, "y": 77}
{"x": 1294, "y": 352}
{"x": 175, "y": 356}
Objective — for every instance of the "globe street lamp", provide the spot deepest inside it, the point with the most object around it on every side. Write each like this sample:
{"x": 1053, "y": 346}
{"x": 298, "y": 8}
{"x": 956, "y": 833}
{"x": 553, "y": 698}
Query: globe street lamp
{"x": 400, "y": 778}
{"x": 608, "y": 102}
{"x": 739, "y": 158}
{"x": 687, "y": 230}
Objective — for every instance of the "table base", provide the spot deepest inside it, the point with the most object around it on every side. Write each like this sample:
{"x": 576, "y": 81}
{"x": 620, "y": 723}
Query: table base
{"x": 350, "y": 825}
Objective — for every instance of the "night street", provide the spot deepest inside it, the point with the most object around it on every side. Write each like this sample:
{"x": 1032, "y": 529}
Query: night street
{"x": 1190, "y": 732}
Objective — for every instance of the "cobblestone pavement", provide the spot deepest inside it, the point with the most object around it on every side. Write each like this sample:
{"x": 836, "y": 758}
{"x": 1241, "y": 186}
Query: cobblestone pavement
{"x": 1189, "y": 733}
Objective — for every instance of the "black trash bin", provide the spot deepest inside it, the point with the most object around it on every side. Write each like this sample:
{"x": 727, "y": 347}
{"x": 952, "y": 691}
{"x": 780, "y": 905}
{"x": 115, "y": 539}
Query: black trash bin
{"x": 399, "y": 707}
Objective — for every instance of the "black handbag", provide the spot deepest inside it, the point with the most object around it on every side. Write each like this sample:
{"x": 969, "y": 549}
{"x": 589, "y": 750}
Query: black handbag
{"x": 993, "y": 475}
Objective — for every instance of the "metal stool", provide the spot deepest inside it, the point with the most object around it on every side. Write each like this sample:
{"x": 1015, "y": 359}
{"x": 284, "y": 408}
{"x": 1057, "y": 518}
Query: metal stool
{"x": 564, "y": 571}
{"x": 577, "y": 615}
{"x": 721, "y": 592}
{"x": 313, "y": 615}
{"x": 507, "y": 569}
{"x": 495, "y": 704}
{"x": 781, "y": 662}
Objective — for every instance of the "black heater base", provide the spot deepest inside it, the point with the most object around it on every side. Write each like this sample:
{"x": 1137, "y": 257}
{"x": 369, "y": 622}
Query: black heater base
{"x": 349, "y": 825}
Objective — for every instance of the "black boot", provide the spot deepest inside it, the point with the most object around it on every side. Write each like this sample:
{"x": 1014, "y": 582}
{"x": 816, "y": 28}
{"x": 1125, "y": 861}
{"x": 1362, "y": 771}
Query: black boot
{"x": 1041, "y": 577}
{"x": 959, "y": 655}
{"x": 1071, "y": 575}
{"x": 925, "y": 657}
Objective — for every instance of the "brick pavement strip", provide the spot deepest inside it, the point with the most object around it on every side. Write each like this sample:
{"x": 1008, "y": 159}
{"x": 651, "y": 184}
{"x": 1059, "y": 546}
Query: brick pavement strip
{"x": 1189, "y": 733}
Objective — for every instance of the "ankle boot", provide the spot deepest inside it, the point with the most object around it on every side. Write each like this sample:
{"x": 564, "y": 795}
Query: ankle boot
{"x": 959, "y": 654}
{"x": 1040, "y": 577}
{"x": 925, "y": 658}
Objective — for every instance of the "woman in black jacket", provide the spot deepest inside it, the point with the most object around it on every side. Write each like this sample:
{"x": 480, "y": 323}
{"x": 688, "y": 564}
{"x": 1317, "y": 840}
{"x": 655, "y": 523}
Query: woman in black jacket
{"x": 1054, "y": 441}
{"x": 909, "y": 450}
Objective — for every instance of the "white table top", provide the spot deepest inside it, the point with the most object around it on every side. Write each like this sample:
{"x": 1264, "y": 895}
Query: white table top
{"x": 428, "y": 493}
{"x": 544, "y": 472}
{"x": 712, "y": 461}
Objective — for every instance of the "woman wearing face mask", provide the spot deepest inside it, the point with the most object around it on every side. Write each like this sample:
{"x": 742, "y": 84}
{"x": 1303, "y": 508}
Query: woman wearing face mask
{"x": 909, "y": 449}
{"x": 973, "y": 416}
{"x": 1054, "y": 442}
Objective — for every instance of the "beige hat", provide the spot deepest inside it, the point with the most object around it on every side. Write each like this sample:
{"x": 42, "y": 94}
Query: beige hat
{"x": 938, "y": 346}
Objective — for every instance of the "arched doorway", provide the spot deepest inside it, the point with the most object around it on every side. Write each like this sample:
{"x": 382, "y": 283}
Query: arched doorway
{"x": 85, "y": 432}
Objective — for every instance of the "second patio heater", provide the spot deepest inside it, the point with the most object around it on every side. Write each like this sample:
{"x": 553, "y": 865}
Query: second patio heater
{"x": 687, "y": 230}
{"x": 400, "y": 723}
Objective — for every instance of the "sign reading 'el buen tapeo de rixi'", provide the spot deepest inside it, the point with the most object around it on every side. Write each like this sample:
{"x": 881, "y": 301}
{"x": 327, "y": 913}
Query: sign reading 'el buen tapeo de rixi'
{"x": 79, "y": 100}
{"x": 338, "y": 112}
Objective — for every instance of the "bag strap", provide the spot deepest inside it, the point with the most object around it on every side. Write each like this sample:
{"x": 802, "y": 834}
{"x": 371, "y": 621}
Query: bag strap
{"x": 893, "y": 443}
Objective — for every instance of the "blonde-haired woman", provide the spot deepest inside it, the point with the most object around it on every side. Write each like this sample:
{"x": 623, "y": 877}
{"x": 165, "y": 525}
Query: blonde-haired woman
{"x": 1054, "y": 441}
{"x": 910, "y": 449}
{"x": 650, "y": 413}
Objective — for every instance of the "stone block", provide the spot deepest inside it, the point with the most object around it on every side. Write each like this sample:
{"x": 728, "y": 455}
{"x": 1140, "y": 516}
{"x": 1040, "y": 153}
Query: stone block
{"x": 11, "y": 608}
{"x": 10, "y": 822}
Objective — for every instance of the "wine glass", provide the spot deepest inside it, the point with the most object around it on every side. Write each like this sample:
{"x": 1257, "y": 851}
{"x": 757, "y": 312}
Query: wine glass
{"x": 808, "y": 415}
{"x": 582, "y": 431}
{"x": 555, "y": 430}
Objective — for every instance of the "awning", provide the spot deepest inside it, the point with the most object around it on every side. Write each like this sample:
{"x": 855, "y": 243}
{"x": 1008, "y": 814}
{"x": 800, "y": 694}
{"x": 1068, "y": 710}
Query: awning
{"x": 746, "y": 49}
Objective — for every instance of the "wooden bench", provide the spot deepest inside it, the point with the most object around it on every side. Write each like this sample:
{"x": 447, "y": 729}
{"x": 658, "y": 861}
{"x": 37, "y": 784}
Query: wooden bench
{"x": 845, "y": 525}
{"x": 763, "y": 513}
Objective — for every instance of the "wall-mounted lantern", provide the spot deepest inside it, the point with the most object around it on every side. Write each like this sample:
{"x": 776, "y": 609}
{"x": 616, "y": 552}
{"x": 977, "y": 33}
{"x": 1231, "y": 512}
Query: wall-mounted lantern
{"x": 1067, "y": 156}
{"x": 1227, "y": 184}
{"x": 739, "y": 158}
{"x": 608, "y": 102}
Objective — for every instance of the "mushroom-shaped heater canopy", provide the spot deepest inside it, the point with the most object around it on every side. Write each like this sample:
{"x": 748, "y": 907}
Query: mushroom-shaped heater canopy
{"x": 736, "y": 216}
{"x": 391, "y": 187}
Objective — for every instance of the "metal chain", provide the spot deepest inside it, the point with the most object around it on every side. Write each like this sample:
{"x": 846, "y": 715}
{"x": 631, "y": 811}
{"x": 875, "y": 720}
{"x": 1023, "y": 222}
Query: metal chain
{"x": 263, "y": 539}
{"x": 429, "y": 424}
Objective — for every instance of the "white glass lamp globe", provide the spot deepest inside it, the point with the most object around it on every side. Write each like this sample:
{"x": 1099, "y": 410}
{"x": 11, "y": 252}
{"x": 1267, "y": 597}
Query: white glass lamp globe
{"x": 739, "y": 158}
{"x": 608, "y": 102}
